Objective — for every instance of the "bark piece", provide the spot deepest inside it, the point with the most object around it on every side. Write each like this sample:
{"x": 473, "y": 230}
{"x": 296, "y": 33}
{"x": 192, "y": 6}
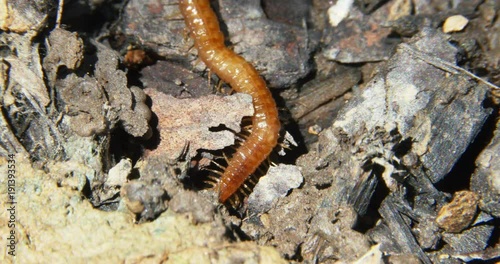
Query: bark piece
{"x": 21, "y": 16}
{"x": 292, "y": 12}
{"x": 471, "y": 240}
{"x": 157, "y": 25}
{"x": 412, "y": 119}
{"x": 64, "y": 48}
{"x": 176, "y": 80}
{"x": 26, "y": 100}
{"x": 489, "y": 254}
{"x": 319, "y": 93}
{"x": 401, "y": 232}
{"x": 486, "y": 179}
{"x": 98, "y": 104}
{"x": 188, "y": 122}
{"x": 358, "y": 38}
{"x": 440, "y": 115}
{"x": 280, "y": 52}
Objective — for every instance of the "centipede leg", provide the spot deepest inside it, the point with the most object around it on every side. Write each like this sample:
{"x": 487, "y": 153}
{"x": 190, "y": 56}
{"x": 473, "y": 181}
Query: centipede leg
{"x": 225, "y": 157}
{"x": 247, "y": 119}
{"x": 218, "y": 165}
{"x": 285, "y": 146}
{"x": 212, "y": 184}
{"x": 247, "y": 190}
{"x": 219, "y": 87}
{"x": 219, "y": 157}
{"x": 235, "y": 201}
{"x": 214, "y": 171}
{"x": 209, "y": 78}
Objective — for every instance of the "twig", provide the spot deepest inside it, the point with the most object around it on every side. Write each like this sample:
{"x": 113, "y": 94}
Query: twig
{"x": 59, "y": 13}
{"x": 442, "y": 64}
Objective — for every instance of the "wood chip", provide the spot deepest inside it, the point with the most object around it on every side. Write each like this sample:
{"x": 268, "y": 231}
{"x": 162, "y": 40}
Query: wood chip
{"x": 459, "y": 213}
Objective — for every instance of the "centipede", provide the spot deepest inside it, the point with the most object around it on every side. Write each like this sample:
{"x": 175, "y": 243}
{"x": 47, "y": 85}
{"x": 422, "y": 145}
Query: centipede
{"x": 203, "y": 27}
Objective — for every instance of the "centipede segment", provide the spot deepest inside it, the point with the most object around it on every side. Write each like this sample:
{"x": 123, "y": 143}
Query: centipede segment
{"x": 204, "y": 29}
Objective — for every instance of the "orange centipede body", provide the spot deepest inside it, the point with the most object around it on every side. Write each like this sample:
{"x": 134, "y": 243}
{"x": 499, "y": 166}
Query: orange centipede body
{"x": 203, "y": 26}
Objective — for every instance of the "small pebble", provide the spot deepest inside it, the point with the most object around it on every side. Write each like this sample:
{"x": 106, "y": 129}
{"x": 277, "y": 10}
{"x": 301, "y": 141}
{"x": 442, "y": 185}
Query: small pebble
{"x": 455, "y": 23}
{"x": 277, "y": 183}
{"x": 339, "y": 11}
{"x": 459, "y": 213}
{"x": 314, "y": 130}
{"x": 117, "y": 175}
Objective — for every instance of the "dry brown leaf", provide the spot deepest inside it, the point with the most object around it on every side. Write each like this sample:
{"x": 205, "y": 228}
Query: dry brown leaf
{"x": 183, "y": 121}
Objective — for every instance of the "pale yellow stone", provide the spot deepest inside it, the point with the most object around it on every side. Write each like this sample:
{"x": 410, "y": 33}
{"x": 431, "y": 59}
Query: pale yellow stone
{"x": 455, "y": 23}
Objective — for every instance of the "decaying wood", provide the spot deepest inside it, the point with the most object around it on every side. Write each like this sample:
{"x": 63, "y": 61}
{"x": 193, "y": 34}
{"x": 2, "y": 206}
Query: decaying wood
{"x": 321, "y": 93}
{"x": 486, "y": 179}
{"x": 401, "y": 134}
{"x": 407, "y": 129}
{"x": 24, "y": 95}
{"x": 400, "y": 231}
